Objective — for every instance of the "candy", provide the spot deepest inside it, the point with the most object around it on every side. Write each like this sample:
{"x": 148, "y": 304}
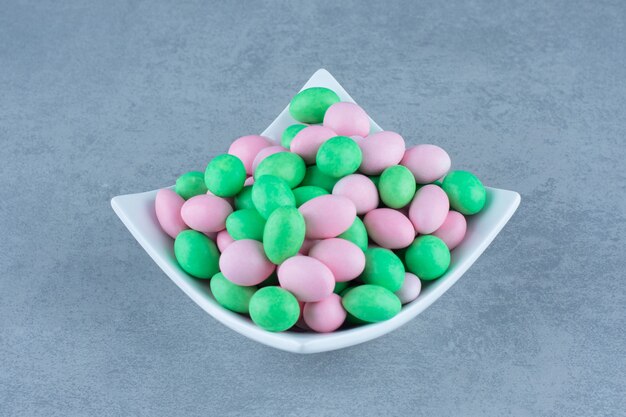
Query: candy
{"x": 338, "y": 157}
{"x": 246, "y": 149}
{"x": 307, "y": 245}
{"x": 466, "y": 193}
{"x": 225, "y": 175}
{"x": 306, "y": 193}
{"x": 453, "y": 229}
{"x": 269, "y": 193}
{"x": 396, "y": 186}
{"x": 326, "y": 315}
{"x": 427, "y": 162}
{"x": 310, "y": 105}
{"x": 347, "y": 119}
{"x": 389, "y": 228}
{"x": 340, "y": 286}
{"x": 360, "y": 190}
{"x": 371, "y": 303}
{"x": 327, "y": 216}
{"x": 231, "y": 296}
{"x": 306, "y": 277}
{"x": 410, "y": 288}
{"x": 206, "y": 213}
{"x": 308, "y": 141}
{"x": 317, "y": 178}
{"x": 429, "y": 209}
{"x": 345, "y": 259}
{"x": 196, "y": 254}
{"x": 289, "y": 134}
{"x": 383, "y": 268}
{"x": 381, "y": 150}
{"x": 428, "y": 257}
{"x": 283, "y": 234}
{"x": 167, "y": 206}
{"x": 264, "y": 153}
{"x": 286, "y": 165}
{"x": 243, "y": 200}
{"x": 245, "y": 224}
{"x": 223, "y": 239}
{"x": 190, "y": 184}
{"x": 274, "y": 309}
{"x": 356, "y": 234}
{"x": 243, "y": 262}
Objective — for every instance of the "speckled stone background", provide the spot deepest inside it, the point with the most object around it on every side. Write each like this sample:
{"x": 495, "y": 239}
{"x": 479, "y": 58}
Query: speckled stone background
{"x": 103, "y": 99}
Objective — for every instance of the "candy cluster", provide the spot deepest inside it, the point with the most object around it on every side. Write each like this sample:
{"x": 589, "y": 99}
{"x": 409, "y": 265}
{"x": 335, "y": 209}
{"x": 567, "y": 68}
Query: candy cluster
{"x": 333, "y": 226}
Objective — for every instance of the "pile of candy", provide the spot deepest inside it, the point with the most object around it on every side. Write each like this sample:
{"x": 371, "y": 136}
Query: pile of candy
{"x": 335, "y": 226}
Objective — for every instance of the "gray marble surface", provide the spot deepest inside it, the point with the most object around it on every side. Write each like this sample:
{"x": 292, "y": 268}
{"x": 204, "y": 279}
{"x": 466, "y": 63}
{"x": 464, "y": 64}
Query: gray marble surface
{"x": 106, "y": 98}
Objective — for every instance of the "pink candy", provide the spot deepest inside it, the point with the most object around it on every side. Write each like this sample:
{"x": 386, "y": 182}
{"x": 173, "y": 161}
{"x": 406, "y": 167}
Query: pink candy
{"x": 453, "y": 229}
{"x": 206, "y": 213}
{"x": 308, "y": 140}
{"x": 307, "y": 278}
{"x": 360, "y": 190}
{"x": 389, "y": 228}
{"x": 326, "y": 315}
{"x": 347, "y": 119}
{"x": 264, "y": 153}
{"x": 410, "y": 289}
{"x": 381, "y": 150}
{"x": 223, "y": 239}
{"x": 243, "y": 262}
{"x": 429, "y": 209}
{"x": 167, "y": 206}
{"x": 345, "y": 259}
{"x": 427, "y": 162}
{"x": 327, "y": 216}
{"x": 247, "y": 147}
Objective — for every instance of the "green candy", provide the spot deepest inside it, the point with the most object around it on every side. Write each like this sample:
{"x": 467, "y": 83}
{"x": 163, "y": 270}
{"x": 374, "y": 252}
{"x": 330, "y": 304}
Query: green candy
{"x": 274, "y": 309}
{"x": 243, "y": 200}
{"x": 340, "y": 286}
{"x": 284, "y": 234}
{"x": 190, "y": 185}
{"x": 428, "y": 257}
{"x": 371, "y": 303}
{"x": 357, "y": 234}
{"x": 286, "y": 165}
{"x": 196, "y": 254}
{"x": 317, "y": 178}
{"x": 306, "y": 193}
{"x": 375, "y": 179}
{"x": 272, "y": 280}
{"x": 396, "y": 186}
{"x": 466, "y": 193}
{"x": 383, "y": 268}
{"x": 225, "y": 175}
{"x": 231, "y": 296}
{"x": 339, "y": 156}
{"x": 289, "y": 134}
{"x": 269, "y": 193}
{"x": 245, "y": 224}
{"x": 310, "y": 105}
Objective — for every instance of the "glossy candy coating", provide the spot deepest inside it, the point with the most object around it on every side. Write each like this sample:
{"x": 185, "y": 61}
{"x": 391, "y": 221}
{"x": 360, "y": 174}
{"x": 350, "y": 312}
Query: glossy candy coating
{"x": 338, "y": 157}
{"x": 326, "y": 315}
{"x": 245, "y": 224}
{"x": 286, "y": 165}
{"x": 269, "y": 193}
{"x": 283, "y": 234}
{"x": 389, "y": 228}
{"x": 225, "y": 175}
{"x": 243, "y": 262}
{"x": 310, "y": 105}
{"x": 371, "y": 303}
{"x": 429, "y": 209}
{"x": 306, "y": 277}
{"x": 206, "y": 213}
{"x": 231, "y": 296}
{"x": 167, "y": 206}
{"x": 345, "y": 259}
{"x": 428, "y": 257}
{"x": 396, "y": 186}
{"x": 327, "y": 216}
{"x": 453, "y": 229}
{"x": 360, "y": 190}
{"x": 426, "y": 162}
{"x": 274, "y": 309}
{"x": 190, "y": 184}
{"x": 196, "y": 254}
{"x": 347, "y": 119}
{"x": 381, "y": 150}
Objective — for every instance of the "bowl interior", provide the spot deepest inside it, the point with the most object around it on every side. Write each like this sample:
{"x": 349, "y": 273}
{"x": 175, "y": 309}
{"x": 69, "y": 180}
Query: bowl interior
{"x": 137, "y": 213}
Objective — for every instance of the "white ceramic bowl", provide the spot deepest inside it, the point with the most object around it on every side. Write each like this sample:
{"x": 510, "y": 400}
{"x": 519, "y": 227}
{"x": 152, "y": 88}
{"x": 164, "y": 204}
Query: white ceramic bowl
{"x": 137, "y": 212}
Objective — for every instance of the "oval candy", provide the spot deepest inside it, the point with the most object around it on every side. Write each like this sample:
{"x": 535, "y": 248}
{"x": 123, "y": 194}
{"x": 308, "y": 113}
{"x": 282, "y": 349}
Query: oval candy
{"x": 231, "y": 296}
{"x": 289, "y": 134}
{"x": 307, "y": 278}
{"x": 246, "y": 149}
{"x": 381, "y": 150}
{"x": 453, "y": 229}
{"x": 428, "y": 257}
{"x": 326, "y": 315}
{"x": 371, "y": 303}
{"x": 410, "y": 289}
{"x": 310, "y": 105}
{"x": 308, "y": 141}
{"x": 426, "y": 162}
{"x": 196, "y": 254}
{"x": 243, "y": 200}
{"x": 356, "y": 234}
{"x": 167, "y": 206}
{"x": 264, "y": 153}
{"x": 190, "y": 184}
{"x": 274, "y": 309}
{"x": 286, "y": 165}
{"x": 327, "y": 216}
{"x": 345, "y": 259}
{"x": 347, "y": 119}
{"x": 244, "y": 263}
{"x": 283, "y": 235}
{"x": 317, "y": 178}
{"x": 429, "y": 209}
{"x": 338, "y": 157}
{"x": 206, "y": 213}
{"x": 360, "y": 190}
{"x": 383, "y": 268}
{"x": 225, "y": 175}
{"x": 245, "y": 224}
{"x": 396, "y": 186}
{"x": 466, "y": 193}
{"x": 269, "y": 193}
{"x": 223, "y": 239}
{"x": 389, "y": 228}
{"x": 306, "y": 193}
